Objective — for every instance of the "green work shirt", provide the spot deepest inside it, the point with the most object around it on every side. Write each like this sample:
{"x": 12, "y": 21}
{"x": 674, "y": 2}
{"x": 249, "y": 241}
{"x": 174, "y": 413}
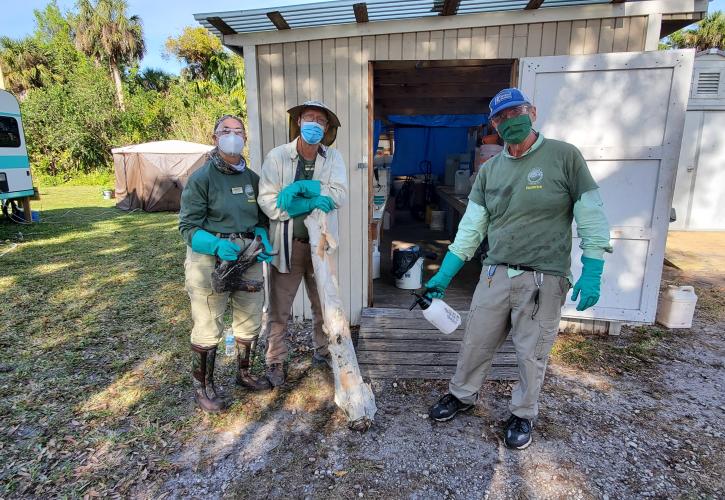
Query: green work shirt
{"x": 306, "y": 169}
{"x": 220, "y": 203}
{"x": 530, "y": 203}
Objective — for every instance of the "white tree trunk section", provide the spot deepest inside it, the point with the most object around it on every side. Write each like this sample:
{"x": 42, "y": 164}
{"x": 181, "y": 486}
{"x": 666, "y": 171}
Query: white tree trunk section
{"x": 352, "y": 394}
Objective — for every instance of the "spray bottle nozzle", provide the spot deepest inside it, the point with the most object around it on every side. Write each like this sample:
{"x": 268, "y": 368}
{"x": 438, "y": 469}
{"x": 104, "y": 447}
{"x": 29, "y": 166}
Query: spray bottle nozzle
{"x": 420, "y": 300}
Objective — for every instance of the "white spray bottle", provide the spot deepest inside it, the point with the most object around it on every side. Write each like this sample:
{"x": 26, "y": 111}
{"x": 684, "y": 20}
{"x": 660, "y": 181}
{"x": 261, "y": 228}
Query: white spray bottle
{"x": 438, "y": 313}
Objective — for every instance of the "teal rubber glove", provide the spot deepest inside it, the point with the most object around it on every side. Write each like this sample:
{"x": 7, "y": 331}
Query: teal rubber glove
{"x": 302, "y": 206}
{"x": 304, "y": 188}
{"x": 324, "y": 203}
{"x": 207, "y": 243}
{"x": 266, "y": 255}
{"x": 588, "y": 284}
{"x": 436, "y": 286}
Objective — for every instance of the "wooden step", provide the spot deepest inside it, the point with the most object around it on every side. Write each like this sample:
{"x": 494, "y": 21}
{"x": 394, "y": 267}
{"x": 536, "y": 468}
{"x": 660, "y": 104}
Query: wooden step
{"x": 397, "y": 343}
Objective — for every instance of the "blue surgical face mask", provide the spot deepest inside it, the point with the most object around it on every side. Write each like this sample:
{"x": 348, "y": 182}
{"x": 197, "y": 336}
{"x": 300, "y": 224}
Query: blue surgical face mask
{"x": 312, "y": 132}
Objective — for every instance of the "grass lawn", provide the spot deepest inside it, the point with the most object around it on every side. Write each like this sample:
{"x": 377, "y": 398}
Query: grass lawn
{"x": 94, "y": 328}
{"x": 95, "y": 391}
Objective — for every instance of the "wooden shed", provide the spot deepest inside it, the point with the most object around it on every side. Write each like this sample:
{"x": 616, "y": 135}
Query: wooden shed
{"x": 591, "y": 67}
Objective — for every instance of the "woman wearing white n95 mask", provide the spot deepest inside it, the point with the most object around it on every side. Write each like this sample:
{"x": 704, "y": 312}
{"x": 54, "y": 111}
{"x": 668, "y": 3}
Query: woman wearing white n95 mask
{"x": 219, "y": 218}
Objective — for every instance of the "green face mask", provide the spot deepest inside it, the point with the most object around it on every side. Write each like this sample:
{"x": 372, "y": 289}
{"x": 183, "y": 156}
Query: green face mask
{"x": 515, "y": 130}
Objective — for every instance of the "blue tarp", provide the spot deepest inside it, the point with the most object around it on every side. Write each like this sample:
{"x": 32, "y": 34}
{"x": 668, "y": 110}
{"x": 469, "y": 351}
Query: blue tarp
{"x": 453, "y": 121}
{"x": 416, "y": 144}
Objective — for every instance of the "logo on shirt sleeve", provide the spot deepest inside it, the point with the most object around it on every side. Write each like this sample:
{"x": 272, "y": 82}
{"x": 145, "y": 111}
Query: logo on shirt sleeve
{"x": 536, "y": 175}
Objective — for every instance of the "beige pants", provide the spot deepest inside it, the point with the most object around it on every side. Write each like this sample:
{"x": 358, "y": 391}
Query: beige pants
{"x": 282, "y": 290}
{"x": 207, "y": 307}
{"x": 508, "y": 305}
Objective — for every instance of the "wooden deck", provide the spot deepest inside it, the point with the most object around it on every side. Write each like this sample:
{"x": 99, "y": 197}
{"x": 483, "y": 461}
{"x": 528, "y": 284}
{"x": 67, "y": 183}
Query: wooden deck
{"x": 397, "y": 343}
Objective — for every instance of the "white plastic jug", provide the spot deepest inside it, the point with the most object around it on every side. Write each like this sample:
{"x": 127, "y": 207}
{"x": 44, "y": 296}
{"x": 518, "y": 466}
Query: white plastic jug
{"x": 438, "y": 313}
{"x": 462, "y": 183}
{"x": 677, "y": 307}
{"x": 376, "y": 262}
{"x": 437, "y": 220}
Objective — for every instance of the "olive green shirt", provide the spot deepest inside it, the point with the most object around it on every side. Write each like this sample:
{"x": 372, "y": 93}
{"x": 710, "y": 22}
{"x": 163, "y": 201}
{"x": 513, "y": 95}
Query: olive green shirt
{"x": 220, "y": 203}
{"x": 530, "y": 203}
{"x": 306, "y": 169}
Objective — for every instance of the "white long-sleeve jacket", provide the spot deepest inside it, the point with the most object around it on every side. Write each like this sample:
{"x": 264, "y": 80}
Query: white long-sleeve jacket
{"x": 278, "y": 171}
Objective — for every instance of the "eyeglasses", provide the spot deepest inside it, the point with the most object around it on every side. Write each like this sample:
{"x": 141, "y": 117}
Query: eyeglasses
{"x": 508, "y": 113}
{"x": 311, "y": 118}
{"x": 227, "y": 130}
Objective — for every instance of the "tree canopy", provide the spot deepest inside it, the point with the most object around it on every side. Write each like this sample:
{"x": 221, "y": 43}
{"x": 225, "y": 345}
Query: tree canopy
{"x": 71, "y": 95}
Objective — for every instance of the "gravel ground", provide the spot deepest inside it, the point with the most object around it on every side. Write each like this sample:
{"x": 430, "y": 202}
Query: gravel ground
{"x": 648, "y": 427}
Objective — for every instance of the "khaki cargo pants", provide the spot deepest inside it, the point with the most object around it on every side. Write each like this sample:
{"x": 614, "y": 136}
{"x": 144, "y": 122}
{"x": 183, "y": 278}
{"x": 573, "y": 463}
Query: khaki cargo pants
{"x": 207, "y": 307}
{"x": 508, "y": 305}
{"x": 282, "y": 290}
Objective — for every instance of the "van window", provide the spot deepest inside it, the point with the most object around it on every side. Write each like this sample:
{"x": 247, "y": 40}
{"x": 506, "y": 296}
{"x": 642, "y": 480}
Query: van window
{"x": 9, "y": 132}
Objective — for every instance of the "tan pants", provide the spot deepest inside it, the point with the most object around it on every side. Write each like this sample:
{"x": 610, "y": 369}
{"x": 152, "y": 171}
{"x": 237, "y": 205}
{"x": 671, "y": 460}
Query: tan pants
{"x": 507, "y": 305}
{"x": 207, "y": 307}
{"x": 282, "y": 290}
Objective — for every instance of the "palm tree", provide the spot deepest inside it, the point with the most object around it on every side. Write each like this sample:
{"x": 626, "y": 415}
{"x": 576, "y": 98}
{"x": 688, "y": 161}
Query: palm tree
{"x": 25, "y": 63}
{"x": 710, "y": 33}
{"x": 104, "y": 33}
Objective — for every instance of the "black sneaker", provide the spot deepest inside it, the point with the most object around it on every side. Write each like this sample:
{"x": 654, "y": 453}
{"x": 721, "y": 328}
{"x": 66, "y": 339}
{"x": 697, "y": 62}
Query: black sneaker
{"x": 447, "y": 407}
{"x": 518, "y": 432}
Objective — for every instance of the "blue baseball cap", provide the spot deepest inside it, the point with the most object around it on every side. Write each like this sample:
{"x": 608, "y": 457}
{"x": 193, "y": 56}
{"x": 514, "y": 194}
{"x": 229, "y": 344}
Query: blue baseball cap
{"x": 507, "y": 98}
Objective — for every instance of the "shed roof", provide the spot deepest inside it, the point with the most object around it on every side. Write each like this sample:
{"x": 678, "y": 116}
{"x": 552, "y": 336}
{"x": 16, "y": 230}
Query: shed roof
{"x": 350, "y": 11}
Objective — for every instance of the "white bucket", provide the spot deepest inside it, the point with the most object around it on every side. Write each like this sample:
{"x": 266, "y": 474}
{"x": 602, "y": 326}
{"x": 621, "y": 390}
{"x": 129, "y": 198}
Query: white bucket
{"x": 413, "y": 278}
{"x": 376, "y": 262}
{"x": 437, "y": 220}
{"x": 677, "y": 307}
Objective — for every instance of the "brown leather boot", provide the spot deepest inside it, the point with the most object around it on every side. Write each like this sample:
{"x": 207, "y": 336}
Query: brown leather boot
{"x": 202, "y": 370}
{"x": 275, "y": 374}
{"x": 244, "y": 376}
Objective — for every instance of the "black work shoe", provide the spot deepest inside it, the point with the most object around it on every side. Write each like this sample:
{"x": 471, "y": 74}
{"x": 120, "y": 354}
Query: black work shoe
{"x": 518, "y": 432}
{"x": 447, "y": 407}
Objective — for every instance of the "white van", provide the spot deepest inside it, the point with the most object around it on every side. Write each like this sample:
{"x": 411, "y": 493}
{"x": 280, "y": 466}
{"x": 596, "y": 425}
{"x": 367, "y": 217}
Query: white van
{"x": 15, "y": 179}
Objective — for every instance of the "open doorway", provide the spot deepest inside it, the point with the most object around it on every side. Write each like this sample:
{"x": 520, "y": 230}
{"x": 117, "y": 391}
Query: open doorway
{"x": 430, "y": 134}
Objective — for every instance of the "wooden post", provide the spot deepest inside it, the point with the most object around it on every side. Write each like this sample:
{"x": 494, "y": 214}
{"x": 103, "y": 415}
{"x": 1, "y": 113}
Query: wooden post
{"x": 352, "y": 394}
{"x": 26, "y": 209}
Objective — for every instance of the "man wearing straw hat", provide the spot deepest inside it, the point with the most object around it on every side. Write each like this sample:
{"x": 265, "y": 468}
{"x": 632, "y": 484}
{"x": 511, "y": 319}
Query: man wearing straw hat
{"x": 298, "y": 177}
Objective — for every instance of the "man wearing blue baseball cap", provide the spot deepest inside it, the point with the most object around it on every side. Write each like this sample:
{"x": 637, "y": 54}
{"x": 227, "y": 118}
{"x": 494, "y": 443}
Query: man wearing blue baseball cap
{"x": 523, "y": 200}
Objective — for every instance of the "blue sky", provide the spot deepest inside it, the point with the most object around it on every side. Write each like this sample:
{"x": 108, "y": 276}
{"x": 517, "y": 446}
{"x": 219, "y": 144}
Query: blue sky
{"x": 161, "y": 19}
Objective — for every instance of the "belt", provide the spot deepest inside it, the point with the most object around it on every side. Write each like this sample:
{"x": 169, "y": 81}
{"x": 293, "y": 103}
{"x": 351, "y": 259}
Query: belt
{"x": 247, "y": 235}
{"x": 519, "y": 267}
{"x": 301, "y": 240}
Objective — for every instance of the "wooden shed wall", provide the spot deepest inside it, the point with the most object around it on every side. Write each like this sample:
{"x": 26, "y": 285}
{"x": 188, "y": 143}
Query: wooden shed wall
{"x": 336, "y": 72}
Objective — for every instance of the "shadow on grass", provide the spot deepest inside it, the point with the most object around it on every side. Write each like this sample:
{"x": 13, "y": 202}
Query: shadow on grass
{"x": 95, "y": 393}
{"x": 94, "y": 329}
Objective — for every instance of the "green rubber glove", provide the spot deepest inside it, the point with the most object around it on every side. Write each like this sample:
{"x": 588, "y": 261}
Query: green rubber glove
{"x": 436, "y": 286}
{"x": 588, "y": 284}
{"x": 303, "y": 206}
{"x": 207, "y": 243}
{"x": 304, "y": 188}
{"x": 266, "y": 255}
{"x": 299, "y": 206}
{"x": 324, "y": 203}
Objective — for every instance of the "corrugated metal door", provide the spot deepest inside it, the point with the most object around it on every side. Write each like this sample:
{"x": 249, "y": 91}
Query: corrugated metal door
{"x": 625, "y": 112}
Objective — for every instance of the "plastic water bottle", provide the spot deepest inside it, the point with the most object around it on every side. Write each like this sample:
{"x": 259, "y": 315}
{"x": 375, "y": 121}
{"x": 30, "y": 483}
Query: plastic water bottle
{"x": 438, "y": 313}
{"x": 229, "y": 344}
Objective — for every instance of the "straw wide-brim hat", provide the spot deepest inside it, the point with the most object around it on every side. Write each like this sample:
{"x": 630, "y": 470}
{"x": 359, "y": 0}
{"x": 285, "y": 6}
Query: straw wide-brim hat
{"x": 295, "y": 112}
